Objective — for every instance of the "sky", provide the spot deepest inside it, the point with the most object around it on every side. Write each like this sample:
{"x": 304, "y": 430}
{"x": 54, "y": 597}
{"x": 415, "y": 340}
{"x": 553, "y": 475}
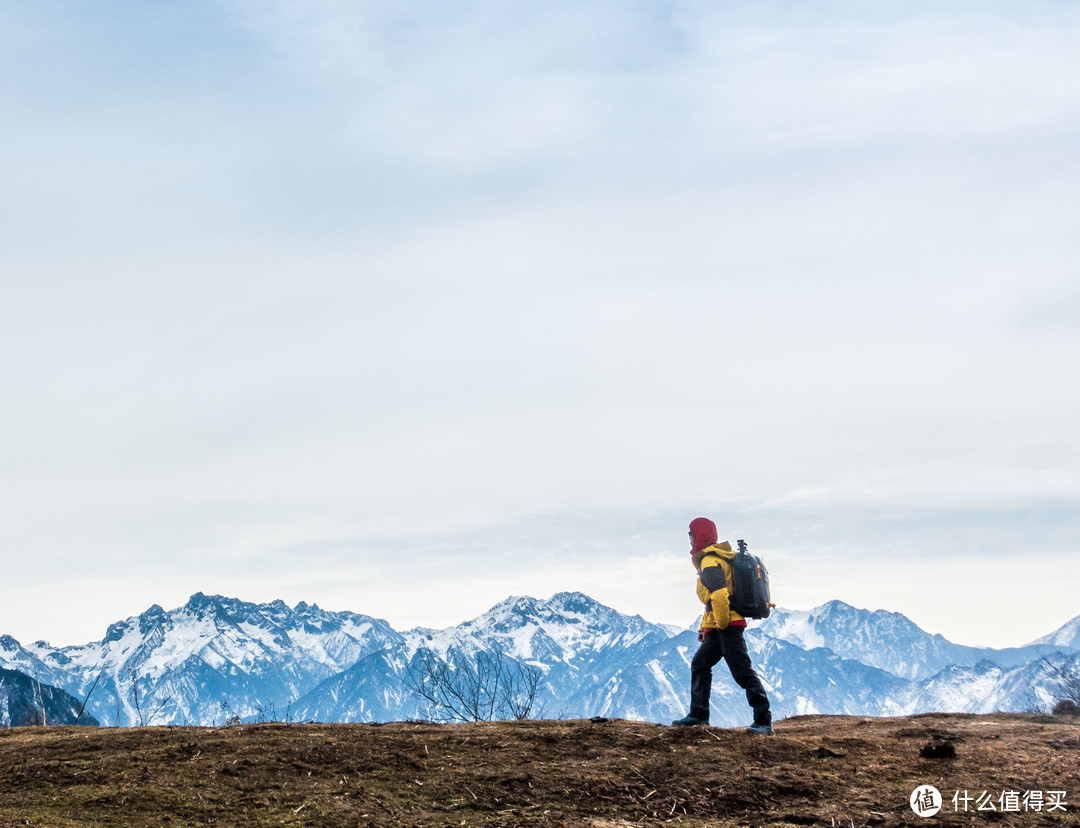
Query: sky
{"x": 406, "y": 308}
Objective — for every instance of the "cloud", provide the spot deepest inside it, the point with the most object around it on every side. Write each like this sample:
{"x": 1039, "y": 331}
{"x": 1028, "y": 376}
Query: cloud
{"x": 310, "y": 276}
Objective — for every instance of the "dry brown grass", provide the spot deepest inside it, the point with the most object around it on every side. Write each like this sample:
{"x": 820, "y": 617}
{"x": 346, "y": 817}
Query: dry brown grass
{"x": 817, "y": 770}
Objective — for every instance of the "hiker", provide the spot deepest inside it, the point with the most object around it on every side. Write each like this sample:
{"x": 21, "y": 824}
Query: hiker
{"x": 721, "y": 633}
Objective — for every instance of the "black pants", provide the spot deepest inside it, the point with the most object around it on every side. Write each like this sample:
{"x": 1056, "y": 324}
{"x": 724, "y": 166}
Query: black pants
{"x": 729, "y": 645}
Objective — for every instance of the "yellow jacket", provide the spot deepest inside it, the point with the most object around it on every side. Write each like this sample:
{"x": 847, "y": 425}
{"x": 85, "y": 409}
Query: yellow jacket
{"x": 713, "y": 564}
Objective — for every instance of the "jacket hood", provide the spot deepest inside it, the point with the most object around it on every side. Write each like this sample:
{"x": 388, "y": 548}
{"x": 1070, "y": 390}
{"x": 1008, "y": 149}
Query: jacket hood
{"x": 702, "y": 534}
{"x": 721, "y": 550}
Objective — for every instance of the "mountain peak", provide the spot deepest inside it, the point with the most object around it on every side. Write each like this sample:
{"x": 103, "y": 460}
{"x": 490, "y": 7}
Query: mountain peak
{"x": 576, "y": 602}
{"x": 200, "y": 603}
{"x": 201, "y": 599}
{"x": 516, "y": 602}
{"x": 1067, "y": 636}
{"x": 562, "y": 607}
{"x": 836, "y": 606}
{"x": 116, "y": 630}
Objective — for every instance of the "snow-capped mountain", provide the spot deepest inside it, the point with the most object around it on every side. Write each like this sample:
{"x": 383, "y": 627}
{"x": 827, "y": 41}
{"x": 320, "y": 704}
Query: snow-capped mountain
{"x": 987, "y": 687}
{"x": 211, "y": 658}
{"x": 1066, "y": 637}
{"x": 215, "y": 658}
{"x": 567, "y": 627}
{"x": 573, "y": 640}
{"x": 883, "y": 639}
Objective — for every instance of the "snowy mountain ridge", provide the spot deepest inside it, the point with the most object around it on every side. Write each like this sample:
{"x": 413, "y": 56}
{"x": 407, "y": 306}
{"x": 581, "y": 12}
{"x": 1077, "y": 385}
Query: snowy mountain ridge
{"x": 1066, "y": 636}
{"x": 559, "y": 629}
{"x": 890, "y": 640}
{"x": 217, "y": 657}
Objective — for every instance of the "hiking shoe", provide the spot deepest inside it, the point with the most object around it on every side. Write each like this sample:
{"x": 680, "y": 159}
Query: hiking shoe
{"x": 760, "y": 729}
{"x": 689, "y": 721}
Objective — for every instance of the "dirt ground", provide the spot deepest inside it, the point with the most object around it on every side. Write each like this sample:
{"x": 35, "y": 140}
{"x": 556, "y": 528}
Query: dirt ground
{"x": 816, "y": 770}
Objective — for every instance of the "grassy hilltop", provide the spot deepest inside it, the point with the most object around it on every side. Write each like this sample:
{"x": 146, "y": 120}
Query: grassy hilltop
{"x": 817, "y": 770}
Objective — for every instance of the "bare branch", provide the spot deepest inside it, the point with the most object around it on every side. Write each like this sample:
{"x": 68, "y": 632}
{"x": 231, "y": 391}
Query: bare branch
{"x": 1065, "y": 679}
{"x": 82, "y": 706}
{"x": 485, "y": 687}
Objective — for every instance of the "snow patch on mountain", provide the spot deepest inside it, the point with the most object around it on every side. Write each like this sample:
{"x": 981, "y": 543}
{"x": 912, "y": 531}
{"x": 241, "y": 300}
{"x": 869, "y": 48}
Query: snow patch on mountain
{"x": 797, "y": 627}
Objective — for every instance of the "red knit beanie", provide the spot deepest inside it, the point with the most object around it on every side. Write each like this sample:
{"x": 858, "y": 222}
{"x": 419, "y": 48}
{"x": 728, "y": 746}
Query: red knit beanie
{"x": 702, "y": 534}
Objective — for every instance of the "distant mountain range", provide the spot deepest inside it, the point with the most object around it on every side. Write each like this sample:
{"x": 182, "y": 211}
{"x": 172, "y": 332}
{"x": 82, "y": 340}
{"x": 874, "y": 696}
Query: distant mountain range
{"x": 217, "y": 659}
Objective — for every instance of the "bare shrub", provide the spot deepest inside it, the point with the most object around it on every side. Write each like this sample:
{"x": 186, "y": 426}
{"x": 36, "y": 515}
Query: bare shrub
{"x": 486, "y": 687}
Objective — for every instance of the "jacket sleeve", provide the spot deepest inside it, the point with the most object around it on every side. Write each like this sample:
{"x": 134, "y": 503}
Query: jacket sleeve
{"x": 721, "y": 609}
{"x": 713, "y": 581}
{"x": 707, "y": 622}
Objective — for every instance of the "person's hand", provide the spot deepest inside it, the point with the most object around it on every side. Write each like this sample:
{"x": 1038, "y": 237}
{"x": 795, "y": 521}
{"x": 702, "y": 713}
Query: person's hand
{"x": 702, "y": 633}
